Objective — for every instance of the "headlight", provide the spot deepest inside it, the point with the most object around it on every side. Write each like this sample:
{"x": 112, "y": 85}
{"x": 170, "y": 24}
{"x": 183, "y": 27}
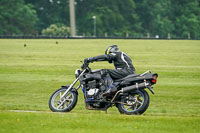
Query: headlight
{"x": 77, "y": 73}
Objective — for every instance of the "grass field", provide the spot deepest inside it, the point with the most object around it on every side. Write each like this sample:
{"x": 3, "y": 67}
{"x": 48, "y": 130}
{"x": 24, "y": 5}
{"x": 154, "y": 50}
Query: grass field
{"x": 29, "y": 75}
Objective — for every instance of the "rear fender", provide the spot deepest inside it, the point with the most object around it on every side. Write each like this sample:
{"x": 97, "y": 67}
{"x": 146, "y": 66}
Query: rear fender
{"x": 73, "y": 89}
{"x": 149, "y": 76}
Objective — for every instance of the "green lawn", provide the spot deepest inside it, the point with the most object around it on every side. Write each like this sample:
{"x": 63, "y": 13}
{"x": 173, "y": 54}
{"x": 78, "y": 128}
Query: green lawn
{"x": 29, "y": 75}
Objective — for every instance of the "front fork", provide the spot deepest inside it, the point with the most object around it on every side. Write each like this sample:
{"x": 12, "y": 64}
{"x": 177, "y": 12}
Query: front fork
{"x": 71, "y": 86}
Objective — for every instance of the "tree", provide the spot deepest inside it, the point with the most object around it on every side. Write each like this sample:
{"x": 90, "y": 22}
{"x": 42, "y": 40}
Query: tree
{"x": 180, "y": 18}
{"x": 155, "y": 16}
{"x": 16, "y": 18}
{"x": 186, "y": 18}
{"x": 56, "y": 30}
{"x": 51, "y": 12}
{"x": 168, "y": 16}
{"x": 114, "y": 17}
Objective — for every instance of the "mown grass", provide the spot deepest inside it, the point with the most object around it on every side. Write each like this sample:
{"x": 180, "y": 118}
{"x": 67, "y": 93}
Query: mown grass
{"x": 94, "y": 122}
{"x": 29, "y": 75}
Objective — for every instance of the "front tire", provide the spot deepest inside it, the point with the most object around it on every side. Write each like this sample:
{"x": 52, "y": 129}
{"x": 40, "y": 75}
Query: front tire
{"x": 64, "y": 105}
{"x": 134, "y": 103}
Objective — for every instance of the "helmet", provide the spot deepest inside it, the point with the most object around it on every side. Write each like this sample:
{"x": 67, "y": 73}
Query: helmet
{"x": 112, "y": 49}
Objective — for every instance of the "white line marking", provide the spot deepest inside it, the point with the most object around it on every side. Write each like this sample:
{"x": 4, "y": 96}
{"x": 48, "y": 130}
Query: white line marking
{"x": 30, "y": 111}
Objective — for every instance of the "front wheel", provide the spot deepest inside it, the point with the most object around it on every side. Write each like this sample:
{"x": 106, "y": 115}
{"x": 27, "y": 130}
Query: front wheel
{"x": 134, "y": 103}
{"x": 66, "y": 104}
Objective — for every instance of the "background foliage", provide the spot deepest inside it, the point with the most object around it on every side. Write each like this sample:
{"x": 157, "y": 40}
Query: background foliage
{"x": 56, "y": 30}
{"x": 114, "y": 17}
{"x": 16, "y": 17}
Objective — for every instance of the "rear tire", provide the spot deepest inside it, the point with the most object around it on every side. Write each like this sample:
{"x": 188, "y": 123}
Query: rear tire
{"x": 66, "y": 104}
{"x": 135, "y": 103}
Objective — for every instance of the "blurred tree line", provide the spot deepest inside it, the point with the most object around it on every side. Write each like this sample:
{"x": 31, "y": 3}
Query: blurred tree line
{"x": 119, "y": 18}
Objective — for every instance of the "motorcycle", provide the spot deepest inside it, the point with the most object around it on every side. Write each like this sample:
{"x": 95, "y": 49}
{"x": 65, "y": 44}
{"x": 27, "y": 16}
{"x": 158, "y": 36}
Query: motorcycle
{"x": 131, "y": 98}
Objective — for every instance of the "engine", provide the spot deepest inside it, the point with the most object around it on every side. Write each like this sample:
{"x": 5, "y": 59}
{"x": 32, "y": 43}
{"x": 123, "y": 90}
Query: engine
{"x": 94, "y": 94}
{"x": 93, "y": 89}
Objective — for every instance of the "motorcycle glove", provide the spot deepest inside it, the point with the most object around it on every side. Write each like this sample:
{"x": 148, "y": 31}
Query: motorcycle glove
{"x": 88, "y": 60}
{"x": 108, "y": 58}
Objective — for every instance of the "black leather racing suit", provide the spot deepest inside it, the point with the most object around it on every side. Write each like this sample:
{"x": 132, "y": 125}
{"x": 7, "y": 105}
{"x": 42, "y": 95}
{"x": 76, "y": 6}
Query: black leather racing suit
{"x": 122, "y": 62}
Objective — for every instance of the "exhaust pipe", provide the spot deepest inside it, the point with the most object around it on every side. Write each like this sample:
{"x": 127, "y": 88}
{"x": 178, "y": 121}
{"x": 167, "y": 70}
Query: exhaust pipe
{"x": 131, "y": 88}
{"x": 134, "y": 87}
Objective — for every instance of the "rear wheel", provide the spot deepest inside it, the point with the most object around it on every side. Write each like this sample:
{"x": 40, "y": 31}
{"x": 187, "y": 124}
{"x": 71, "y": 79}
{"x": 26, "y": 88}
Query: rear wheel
{"x": 66, "y": 104}
{"x": 134, "y": 103}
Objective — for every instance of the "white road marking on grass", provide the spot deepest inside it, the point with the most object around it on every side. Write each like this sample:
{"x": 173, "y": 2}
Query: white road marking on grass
{"x": 24, "y": 111}
{"x": 31, "y": 111}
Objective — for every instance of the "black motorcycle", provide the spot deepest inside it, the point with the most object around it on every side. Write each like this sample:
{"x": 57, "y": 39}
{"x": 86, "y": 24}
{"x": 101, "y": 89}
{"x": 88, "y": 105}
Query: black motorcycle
{"x": 130, "y": 97}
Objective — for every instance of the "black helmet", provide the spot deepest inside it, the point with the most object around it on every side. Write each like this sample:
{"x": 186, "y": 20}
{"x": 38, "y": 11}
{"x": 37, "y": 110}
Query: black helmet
{"x": 112, "y": 49}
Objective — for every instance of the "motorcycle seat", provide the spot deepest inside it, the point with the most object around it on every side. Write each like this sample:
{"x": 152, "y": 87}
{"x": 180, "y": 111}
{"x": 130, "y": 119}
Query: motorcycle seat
{"x": 127, "y": 77}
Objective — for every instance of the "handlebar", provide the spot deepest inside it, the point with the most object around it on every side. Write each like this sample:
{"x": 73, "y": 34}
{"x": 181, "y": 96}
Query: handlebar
{"x": 85, "y": 65}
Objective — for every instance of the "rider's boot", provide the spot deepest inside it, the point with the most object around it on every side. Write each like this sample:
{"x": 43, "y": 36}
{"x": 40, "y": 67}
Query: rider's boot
{"x": 109, "y": 83}
{"x": 111, "y": 90}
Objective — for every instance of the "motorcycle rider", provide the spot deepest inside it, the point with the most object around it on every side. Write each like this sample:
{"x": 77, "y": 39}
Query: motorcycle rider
{"x": 122, "y": 62}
